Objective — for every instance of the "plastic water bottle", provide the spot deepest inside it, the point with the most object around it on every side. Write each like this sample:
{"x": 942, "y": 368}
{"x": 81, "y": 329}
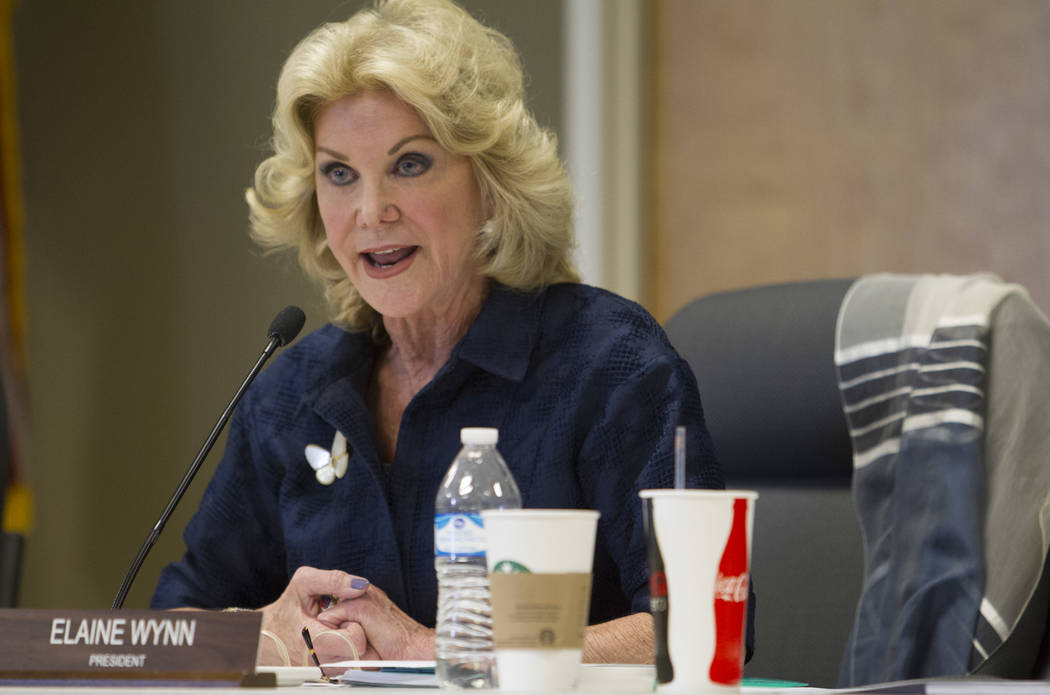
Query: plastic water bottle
{"x": 477, "y": 479}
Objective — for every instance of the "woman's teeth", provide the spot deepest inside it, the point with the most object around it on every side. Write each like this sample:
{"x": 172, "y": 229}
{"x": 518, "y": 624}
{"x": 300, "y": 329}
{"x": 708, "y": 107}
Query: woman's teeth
{"x": 389, "y": 257}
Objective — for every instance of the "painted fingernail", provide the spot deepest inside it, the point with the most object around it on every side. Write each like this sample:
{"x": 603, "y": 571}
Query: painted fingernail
{"x": 358, "y": 583}
{"x": 327, "y": 601}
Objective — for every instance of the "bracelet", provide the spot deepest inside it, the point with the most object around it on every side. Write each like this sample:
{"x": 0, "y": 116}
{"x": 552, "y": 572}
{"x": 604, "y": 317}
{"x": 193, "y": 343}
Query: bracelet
{"x": 282, "y": 650}
{"x": 307, "y": 661}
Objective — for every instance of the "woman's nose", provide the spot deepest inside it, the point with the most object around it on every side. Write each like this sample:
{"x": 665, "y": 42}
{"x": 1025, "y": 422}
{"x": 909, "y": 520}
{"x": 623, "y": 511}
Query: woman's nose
{"x": 376, "y": 206}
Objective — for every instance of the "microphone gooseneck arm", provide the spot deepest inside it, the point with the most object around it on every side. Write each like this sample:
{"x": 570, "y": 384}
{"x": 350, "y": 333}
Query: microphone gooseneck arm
{"x": 280, "y": 334}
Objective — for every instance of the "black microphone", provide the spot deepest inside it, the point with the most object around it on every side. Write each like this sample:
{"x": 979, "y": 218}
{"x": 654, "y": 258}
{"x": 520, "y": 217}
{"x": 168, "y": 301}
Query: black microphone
{"x": 283, "y": 329}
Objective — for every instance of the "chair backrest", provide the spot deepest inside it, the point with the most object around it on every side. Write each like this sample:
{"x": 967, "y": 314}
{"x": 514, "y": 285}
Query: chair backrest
{"x": 764, "y": 361}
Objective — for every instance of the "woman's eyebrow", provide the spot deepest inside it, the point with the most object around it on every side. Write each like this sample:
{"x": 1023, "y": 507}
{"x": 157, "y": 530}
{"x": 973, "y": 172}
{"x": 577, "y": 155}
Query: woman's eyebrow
{"x": 401, "y": 143}
{"x": 333, "y": 153}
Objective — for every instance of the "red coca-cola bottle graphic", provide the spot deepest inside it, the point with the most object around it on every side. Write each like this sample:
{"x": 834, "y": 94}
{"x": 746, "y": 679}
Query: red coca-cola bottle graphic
{"x": 731, "y": 602}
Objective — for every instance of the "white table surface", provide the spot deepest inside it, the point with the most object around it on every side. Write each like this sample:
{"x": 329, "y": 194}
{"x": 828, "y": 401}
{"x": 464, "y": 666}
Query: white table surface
{"x": 595, "y": 678}
{"x": 624, "y": 679}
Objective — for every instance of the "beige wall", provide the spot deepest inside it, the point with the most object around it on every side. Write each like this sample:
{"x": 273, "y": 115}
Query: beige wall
{"x": 141, "y": 125}
{"x": 821, "y": 138}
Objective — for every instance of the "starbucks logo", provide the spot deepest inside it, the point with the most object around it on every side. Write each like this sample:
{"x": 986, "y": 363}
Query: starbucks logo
{"x": 510, "y": 567}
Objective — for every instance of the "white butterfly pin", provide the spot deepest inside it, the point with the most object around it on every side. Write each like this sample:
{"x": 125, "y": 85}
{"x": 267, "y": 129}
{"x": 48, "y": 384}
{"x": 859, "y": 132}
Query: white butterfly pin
{"x": 328, "y": 466}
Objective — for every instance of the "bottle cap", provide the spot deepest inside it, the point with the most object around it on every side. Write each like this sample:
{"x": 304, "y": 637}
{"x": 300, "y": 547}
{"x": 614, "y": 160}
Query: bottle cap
{"x": 479, "y": 435}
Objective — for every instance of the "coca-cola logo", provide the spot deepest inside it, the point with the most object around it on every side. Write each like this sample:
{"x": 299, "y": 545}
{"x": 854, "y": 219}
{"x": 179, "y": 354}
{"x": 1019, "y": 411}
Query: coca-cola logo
{"x": 730, "y": 602}
{"x": 732, "y": 589}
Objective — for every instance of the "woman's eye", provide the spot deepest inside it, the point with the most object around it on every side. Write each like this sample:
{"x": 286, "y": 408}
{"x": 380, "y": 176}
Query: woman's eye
{"x": 412, "y": 164}
{"x": 338, "y": 174}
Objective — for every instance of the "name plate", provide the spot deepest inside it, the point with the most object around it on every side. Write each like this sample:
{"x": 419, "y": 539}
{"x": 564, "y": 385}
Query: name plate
{"x": 127, "y": 645}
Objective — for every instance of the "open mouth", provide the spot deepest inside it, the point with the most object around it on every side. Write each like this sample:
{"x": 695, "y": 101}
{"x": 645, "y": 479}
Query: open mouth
{"x": 388, "y": 258}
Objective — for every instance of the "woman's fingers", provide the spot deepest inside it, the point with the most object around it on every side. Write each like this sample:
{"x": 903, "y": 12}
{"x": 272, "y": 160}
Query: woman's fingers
{"x": 312, "y": 585}
{"x": 387, "y": 629}
{"x": 338, "y": 644}
{"x": 298, "y": 606}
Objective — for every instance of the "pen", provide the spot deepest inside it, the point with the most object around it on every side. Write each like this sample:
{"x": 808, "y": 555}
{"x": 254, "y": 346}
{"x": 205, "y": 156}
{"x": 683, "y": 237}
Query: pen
{"x": 313, "y": 654}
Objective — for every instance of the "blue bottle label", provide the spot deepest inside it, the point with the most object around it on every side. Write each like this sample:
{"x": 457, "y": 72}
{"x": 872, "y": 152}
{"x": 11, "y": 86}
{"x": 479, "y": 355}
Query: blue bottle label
{"x": 459, "y": 535}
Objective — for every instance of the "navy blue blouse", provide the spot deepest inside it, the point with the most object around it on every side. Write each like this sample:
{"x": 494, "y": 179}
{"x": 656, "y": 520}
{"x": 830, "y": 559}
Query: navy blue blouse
{"x": 584, "y": 388}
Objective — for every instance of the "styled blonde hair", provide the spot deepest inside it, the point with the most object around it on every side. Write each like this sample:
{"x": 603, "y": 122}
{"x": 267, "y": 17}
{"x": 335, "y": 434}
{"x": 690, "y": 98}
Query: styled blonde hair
{"x": 465, "y": 81}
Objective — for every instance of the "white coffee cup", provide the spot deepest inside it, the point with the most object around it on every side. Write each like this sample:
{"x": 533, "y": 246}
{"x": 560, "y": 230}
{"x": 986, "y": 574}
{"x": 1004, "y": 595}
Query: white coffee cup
{"x": 539, "y": 563}
{"x": 699, "y": 565}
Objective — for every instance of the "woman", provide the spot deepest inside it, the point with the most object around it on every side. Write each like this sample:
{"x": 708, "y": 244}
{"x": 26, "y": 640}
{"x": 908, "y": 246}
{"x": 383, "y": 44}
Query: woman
{"x": 434, "y": 210}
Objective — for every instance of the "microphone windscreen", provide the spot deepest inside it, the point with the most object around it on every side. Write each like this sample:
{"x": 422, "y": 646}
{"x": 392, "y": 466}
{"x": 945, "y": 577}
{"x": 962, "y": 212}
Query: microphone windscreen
{"x": 287, "y": 324}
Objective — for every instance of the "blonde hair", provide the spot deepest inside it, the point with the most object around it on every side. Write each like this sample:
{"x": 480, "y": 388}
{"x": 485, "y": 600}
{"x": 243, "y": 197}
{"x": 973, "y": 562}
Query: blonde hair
{"x": 465, "y": 81}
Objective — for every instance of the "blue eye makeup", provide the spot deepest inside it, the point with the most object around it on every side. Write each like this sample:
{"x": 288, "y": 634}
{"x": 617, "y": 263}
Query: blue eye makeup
{"x": 338, "y": 174}
{"x": 408, "y": 165}
{"x": 413, "y": 164}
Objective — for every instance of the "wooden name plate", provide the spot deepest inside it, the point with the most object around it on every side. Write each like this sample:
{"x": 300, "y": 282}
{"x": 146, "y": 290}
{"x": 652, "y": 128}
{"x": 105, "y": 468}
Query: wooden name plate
{"x": 129, "y": 646}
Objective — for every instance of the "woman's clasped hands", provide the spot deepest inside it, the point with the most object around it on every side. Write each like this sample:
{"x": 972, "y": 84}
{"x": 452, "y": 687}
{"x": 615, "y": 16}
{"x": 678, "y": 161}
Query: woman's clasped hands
{"x": 348, "y": 619}
{"x": 303, "y": 600}
{"x": 390, "y": 633}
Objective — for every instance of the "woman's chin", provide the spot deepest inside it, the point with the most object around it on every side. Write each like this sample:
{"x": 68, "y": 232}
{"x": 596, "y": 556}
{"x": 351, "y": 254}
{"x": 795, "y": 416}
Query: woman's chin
{"x": 393, "y": 305}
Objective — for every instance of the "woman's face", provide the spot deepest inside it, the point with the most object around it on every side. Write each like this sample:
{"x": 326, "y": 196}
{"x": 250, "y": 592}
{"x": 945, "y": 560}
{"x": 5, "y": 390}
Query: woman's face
{"x": 400, "y": 212}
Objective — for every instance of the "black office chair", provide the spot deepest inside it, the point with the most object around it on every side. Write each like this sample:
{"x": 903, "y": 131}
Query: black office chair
{"x": 764, "y": 360}
{"x": 763, "y": 357}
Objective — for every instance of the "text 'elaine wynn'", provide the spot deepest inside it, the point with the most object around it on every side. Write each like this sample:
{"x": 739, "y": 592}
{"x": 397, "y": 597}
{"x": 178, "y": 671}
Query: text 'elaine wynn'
{"x": 175, "y": 632}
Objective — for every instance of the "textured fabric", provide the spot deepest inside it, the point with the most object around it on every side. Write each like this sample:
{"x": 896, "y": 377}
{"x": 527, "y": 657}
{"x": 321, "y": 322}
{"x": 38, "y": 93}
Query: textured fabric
{"x": 585, "y": 391}
{"x": 913, "y": 359}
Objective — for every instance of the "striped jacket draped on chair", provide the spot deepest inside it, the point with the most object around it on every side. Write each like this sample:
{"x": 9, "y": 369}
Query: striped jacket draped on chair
{"x": 944, "y": 381}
